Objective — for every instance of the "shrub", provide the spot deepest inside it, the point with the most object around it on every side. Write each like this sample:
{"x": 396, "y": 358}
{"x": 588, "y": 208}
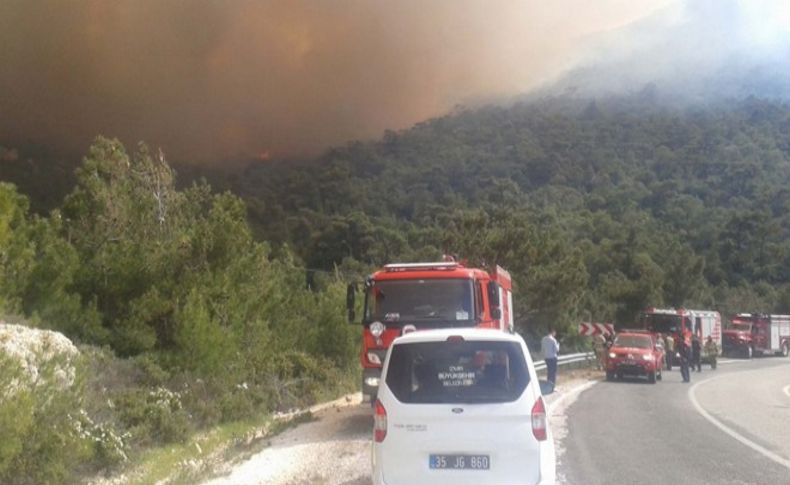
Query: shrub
{"x": 153, "y": 415}
{"x": 298, "y": 379}
{"x": 109, "y": 446}
{"x": 242, "y": 402}
{"x": 40, "y": 443}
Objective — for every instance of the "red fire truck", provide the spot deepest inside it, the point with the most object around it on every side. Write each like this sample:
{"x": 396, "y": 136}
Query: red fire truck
{"x": 413, "y": 296}
{"x": 755, "y": 333}
{"x": 683, "y": 323}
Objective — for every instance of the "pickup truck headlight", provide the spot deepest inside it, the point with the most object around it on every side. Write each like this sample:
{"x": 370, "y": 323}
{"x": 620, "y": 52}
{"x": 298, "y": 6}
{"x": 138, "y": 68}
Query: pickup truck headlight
{"x": 377, "y": 328}
{"x": 373, "y": 358}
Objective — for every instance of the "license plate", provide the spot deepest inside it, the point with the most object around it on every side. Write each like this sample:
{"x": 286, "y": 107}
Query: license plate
{"x": 459, "y": 462}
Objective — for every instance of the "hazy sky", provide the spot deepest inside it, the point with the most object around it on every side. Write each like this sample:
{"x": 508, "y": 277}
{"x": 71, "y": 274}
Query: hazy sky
{"x": 693, "y": 50}
{"x": 214, "y": 79}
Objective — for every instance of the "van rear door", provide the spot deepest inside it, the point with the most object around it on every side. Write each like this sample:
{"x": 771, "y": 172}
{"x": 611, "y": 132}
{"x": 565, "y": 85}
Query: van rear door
{"x": 460, "y": 412}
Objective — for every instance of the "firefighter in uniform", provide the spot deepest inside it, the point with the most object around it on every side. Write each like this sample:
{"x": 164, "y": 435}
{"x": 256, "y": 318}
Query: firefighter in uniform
{"x": 683, "y": 350}
{"x": 711, "y": 351}
{"x": 669, "y": 345}
{"x": 696, "y": 353}
{"x": 599, "y": 346}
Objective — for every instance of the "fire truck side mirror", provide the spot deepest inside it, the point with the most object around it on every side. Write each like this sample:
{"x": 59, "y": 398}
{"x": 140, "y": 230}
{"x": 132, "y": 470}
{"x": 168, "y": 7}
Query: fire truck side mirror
{"x": 493, "y": 300}
{"x": 351, "y": 294}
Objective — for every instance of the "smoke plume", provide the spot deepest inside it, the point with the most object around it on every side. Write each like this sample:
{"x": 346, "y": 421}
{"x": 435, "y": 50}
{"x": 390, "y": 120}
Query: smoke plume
{"x": 210, "y": 79}
{"x": 700, "y": 50}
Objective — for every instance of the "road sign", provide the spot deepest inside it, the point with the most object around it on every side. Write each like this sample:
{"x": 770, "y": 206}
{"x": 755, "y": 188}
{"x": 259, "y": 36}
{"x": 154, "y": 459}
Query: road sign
{"x": 592, "y": 328}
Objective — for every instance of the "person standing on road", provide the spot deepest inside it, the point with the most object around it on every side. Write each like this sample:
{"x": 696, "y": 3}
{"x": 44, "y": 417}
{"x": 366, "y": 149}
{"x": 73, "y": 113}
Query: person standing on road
{"x": 696, "y": 353}
{"x": 599, "y": 346}
{"x": 550, "y": 348}
{"x": 683, "y": 351}
{"x": 711, "y": 351}
{"x": 669, "y": 344}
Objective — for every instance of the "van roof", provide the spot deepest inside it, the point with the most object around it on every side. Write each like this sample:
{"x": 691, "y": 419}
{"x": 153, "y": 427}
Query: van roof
{"x": 439, "y": 335}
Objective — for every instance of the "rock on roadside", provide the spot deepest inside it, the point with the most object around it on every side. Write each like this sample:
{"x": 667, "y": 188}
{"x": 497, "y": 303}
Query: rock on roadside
{"x": 34, "y": 349}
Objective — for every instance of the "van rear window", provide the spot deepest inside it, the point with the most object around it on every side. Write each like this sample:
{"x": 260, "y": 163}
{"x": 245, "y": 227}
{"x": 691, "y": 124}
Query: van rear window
{"x": 457, "y": 372}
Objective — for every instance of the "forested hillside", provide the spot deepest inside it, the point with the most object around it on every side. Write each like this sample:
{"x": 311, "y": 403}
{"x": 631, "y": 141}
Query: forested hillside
{"x": 599, "y": 208}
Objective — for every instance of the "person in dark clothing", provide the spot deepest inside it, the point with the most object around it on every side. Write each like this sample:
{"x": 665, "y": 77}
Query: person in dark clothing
{"x": 683, "y": 352}
{"x": 696, "y": 354}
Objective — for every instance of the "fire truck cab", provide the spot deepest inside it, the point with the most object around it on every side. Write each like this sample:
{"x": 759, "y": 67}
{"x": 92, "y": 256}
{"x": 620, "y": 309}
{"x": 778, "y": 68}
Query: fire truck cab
{"x": 683, "y": 323}
{"x": 755, "y": 333}
{"x": 406, "y": 297}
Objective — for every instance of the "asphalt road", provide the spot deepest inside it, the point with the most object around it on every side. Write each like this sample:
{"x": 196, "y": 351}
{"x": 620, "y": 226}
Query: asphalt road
{"x": 729, "y": 426}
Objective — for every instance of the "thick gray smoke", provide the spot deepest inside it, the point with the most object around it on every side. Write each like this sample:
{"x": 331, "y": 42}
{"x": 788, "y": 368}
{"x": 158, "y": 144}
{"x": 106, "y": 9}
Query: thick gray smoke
{"x": 692, "y": 50}
{"x": 213, "y": 79}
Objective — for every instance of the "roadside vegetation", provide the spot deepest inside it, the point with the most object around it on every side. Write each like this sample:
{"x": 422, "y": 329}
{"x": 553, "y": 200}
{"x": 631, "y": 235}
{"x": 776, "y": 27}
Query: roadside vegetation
{"x": 184, "y": 321}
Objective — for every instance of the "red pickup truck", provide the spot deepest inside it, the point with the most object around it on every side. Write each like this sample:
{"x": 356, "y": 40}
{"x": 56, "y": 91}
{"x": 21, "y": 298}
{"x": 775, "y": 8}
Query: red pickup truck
{"x": 637, "y": 354}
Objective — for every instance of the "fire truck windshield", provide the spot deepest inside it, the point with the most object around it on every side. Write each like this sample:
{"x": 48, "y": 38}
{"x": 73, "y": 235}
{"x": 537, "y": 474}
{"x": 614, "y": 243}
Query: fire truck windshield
{"x": 742, "y": 326}
{"x": 660, "y": 322}
{"x": 423, "y": 300}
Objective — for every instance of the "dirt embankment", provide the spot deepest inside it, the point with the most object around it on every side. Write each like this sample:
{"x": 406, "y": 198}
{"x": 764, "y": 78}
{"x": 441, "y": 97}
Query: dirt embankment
{"x": 332, "y": 449}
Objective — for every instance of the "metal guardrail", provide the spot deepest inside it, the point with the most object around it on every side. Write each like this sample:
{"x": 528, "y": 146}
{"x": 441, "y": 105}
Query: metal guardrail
{"x": 587, "y": 357}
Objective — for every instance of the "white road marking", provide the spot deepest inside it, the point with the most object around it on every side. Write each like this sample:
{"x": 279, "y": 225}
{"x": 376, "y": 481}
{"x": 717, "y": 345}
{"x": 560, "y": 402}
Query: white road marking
{"x": 559, "y": 424}
{"x": 555, "y": 404}
{"x": 786, "y": 390}
{"x": 742, "y": 439}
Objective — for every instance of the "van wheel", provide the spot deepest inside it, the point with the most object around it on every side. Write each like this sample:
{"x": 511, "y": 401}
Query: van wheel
{"x": 651, "y": 378}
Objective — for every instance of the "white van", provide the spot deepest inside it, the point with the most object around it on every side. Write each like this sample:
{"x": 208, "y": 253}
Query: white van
{"x": 461, "y": 406}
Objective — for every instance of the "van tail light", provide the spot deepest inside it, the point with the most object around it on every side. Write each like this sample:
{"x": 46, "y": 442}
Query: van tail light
{"x": 538, "y": 420}
{"x": 379, "y": 422}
